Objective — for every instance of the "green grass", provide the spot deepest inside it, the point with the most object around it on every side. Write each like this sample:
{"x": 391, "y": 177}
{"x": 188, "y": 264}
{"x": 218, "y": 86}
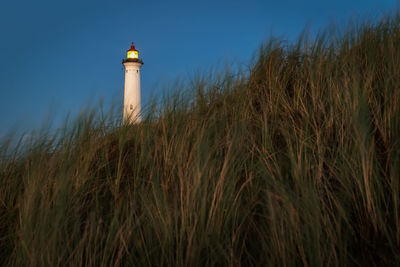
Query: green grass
{"x": 296, "y": 163}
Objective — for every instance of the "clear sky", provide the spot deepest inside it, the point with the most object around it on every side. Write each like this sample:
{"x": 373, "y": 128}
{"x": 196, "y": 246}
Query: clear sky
{"x": 58, "y": 56}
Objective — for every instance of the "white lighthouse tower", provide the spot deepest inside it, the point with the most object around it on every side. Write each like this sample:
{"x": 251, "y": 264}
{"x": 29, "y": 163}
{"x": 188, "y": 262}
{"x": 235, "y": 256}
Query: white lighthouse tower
{"x": 132, "y": 64}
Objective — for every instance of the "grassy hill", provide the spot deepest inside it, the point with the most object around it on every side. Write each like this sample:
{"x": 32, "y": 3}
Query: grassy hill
{"x": 296, "y": 163}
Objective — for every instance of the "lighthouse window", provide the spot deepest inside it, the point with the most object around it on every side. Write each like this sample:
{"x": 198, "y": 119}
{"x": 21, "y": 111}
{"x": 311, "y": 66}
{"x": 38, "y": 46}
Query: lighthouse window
{"x": 131, "y": 106}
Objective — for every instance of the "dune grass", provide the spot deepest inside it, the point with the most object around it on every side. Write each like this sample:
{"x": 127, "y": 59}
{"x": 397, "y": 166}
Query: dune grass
{"x": 296, "y": 163}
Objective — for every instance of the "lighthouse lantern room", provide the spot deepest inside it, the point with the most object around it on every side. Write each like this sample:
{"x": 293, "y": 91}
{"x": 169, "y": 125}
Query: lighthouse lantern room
{"x": 133, "y": 53}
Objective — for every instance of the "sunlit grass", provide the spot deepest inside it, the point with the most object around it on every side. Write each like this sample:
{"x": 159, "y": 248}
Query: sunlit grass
{"x": 296, "y": 163}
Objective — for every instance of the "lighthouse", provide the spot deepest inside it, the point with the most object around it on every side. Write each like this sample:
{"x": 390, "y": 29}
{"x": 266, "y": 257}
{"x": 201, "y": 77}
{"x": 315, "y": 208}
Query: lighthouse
{"x": 132, "y": 64}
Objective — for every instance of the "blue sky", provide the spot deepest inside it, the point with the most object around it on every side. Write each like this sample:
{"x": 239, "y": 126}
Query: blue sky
{"x": 56, "y": 57}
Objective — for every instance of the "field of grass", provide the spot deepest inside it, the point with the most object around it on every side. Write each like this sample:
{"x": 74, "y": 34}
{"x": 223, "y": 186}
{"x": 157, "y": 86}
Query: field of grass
{"x": 296, "y": 163}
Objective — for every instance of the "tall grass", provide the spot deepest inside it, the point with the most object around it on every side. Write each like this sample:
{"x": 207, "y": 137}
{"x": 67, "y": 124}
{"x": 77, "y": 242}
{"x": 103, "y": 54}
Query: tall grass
{"x": 297, "y": 163}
